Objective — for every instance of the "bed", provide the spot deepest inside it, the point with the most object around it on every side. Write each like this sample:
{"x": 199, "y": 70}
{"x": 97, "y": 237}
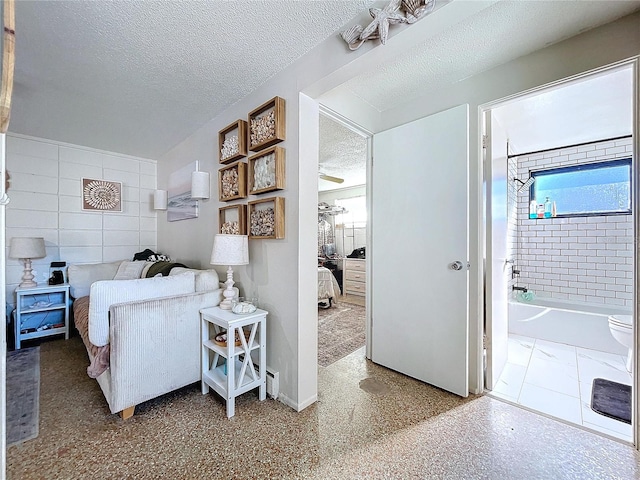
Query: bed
{"x": 328, "y": 288}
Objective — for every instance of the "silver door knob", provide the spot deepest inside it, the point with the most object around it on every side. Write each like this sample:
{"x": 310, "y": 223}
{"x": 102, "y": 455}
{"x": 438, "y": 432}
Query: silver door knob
{"x": 457, "y": 265}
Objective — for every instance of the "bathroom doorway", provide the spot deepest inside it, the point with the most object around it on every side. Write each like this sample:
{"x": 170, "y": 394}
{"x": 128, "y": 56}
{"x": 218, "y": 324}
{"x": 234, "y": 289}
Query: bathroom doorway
{"x": 556, "y": 273}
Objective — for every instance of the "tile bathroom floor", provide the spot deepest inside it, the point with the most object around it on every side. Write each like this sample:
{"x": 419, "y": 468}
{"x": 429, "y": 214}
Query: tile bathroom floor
{"x": 556, "y": 379}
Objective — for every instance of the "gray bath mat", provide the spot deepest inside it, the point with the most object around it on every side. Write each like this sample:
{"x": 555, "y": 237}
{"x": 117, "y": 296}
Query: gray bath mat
{"x": 611, "y": 399}
{"x": 23, "y": 394}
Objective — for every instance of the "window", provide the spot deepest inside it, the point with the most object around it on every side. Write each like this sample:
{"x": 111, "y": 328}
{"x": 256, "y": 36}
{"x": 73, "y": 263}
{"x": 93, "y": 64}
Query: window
{"x": 602, "y": 188}
{"x": 356, "y": 215}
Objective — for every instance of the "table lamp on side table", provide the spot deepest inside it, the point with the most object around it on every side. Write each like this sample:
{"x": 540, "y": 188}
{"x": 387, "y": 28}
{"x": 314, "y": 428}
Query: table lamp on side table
{"x": 26, "y": 248}
{"x": 229, "y": 250}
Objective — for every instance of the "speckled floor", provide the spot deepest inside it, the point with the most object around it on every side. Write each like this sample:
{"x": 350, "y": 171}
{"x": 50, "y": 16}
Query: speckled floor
{"x": 368, "y": 423}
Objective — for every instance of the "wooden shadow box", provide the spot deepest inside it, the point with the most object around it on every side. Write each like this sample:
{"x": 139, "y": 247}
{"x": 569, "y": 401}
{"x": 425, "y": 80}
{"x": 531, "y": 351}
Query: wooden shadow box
{"x": 267, "y": 124}
{"x": 232, "y": 142}
{"x": 266, "y": 171}
{"x": 266, "y": 218}
{"x": 232, "y": 182}
{"x": 232, "y": 220}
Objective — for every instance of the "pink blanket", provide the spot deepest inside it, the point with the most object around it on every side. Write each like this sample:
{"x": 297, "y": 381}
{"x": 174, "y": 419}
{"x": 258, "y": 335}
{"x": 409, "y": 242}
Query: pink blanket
{"x": 100, "y": 355}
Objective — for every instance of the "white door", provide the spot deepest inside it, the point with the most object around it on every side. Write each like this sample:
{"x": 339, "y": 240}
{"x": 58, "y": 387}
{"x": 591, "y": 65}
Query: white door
{"x": 419, "y": 231}
{"x": 498, "y": 268}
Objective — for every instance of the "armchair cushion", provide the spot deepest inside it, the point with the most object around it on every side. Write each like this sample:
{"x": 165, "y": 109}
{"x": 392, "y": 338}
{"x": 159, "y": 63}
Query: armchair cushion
{"x": 105, "y": 293}
{"x": 206, "y": 280}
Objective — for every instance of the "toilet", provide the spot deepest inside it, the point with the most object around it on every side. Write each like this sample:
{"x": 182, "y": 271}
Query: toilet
{"x": 622, "y": 331}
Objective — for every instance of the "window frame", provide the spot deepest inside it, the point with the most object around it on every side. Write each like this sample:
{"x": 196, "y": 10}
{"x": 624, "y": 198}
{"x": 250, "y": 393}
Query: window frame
{"x": 583, "y": 167}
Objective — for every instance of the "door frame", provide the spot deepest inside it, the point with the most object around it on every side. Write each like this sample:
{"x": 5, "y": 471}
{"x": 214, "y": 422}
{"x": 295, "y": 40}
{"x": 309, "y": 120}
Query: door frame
{"x": 634, "y": 64}
{"x": 368, "y": 136}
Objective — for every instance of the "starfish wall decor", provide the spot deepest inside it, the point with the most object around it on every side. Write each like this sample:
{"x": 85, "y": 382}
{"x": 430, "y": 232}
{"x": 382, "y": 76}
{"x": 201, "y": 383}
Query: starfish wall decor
{"x": 397, "y": 11}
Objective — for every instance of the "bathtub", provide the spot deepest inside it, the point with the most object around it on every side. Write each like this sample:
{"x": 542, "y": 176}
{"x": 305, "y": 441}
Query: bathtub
{"x": 581, "y": 325}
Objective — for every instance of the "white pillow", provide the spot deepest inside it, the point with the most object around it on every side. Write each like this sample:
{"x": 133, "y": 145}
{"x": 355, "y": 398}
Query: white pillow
{"x": 130, "y": 270}
{"x": 206, "y": 280}
{"x": 108, "y": 292}
{"x": 81, "y": 276}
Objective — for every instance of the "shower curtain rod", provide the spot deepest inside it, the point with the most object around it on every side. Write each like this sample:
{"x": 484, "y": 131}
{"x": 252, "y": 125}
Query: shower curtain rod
{"x": 569, "y": 146}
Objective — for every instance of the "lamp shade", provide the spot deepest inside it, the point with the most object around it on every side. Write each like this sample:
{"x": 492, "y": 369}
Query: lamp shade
{"x": 230, "y": 250}
{"x": 200, "y": 185}
{"x": 27, "y": 247}
{"x": 160, "y": 200}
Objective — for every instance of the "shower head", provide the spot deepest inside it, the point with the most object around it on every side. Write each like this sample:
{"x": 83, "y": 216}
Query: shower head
{"x": 526, "y": 184}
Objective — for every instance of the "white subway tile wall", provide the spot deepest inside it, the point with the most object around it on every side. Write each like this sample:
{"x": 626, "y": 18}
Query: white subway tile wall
{"x": 46, "y": 202}
{"x": 586, "y": 259}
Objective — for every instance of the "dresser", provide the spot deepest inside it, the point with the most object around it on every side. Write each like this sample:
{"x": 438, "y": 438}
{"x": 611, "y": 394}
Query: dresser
{"x": 355, "y": 276}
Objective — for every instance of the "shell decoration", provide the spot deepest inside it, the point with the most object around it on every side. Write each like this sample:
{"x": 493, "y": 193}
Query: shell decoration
{"x": 263, "y": 223}
{"x": 263, "y": 128}
{"x": 396, "y": 12}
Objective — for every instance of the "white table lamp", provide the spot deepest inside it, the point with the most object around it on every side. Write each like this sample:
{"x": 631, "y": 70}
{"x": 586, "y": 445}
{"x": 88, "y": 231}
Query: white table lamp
{"x": 26, "y": 248}
{"x": 229, "y": 250}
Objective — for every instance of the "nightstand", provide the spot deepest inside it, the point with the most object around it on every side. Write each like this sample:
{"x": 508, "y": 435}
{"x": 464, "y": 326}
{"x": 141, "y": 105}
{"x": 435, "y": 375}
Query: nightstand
{"x": 41, "y": 311}
{"x": 233, "y": 368}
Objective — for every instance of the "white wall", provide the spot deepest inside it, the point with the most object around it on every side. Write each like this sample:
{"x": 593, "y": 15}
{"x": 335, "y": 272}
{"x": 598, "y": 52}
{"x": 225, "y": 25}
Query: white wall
{"x": 282, "y": 272}
{"x": 583, "y": 259}
{"x": 46, "y": 202}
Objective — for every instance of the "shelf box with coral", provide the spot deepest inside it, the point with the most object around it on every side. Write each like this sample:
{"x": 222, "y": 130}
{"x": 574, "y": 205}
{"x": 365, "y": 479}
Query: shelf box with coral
{"x": 266, "y": 218}
{"x": 266, "y": 171}
{"x": 232, "y": 142}
{"x": 232, "y": 182}
{"x": 267, "y": 124}
{"x": 233, "y": 220}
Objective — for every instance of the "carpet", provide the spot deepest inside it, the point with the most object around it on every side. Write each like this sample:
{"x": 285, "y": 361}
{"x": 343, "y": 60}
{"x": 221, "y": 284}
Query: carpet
{"x": 611, "y": 399}
{"x": 341, "y": 331}
{"x": 23, "y": 394}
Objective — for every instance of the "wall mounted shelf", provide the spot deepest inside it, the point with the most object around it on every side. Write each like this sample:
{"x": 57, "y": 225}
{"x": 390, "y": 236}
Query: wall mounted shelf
{"x": 267, "y": 124}
{"x": 266, "y": 218}
{"x": 232, "y": 142}
{"x": 233, "y": 220}
{"x": 232, "y": 182}
{"x": 266, "y": 171}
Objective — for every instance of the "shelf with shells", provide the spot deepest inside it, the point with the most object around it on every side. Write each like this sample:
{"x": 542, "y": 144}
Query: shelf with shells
{"x": 266, "y": 218}
{"x": 266, "y": 171}
{"x": 232, "y": 220}
{"x": 232, "y": 142}
{"x": 267, "y": 124}
{"x": 232, "y": 182}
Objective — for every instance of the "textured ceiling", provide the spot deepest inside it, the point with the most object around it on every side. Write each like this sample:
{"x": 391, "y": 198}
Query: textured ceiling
{"x": 138, "y": 77}
{"x": 343, "y": 154}
{"x": 498, "y": 34}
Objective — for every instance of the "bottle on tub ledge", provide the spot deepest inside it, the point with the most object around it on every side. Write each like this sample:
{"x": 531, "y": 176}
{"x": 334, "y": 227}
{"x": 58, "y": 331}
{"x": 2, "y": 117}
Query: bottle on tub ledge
{"x": 547, "y": 208}
{"x": 533, "y": 209}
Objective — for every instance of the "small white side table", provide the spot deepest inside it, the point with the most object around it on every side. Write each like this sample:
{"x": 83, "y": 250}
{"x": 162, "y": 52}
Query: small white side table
{"x": 42, "y": 311}
{"x": 218, "y": 360}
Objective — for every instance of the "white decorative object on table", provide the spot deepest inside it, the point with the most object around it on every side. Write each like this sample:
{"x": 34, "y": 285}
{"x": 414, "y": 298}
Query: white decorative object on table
{"x": 26, "y": 248}
{"x": 242, "y": 306}
{"x": 229, "y": 250}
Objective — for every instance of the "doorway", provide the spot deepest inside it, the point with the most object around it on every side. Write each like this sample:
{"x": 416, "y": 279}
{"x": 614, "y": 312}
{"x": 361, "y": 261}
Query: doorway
{"x": 342, "y": 237}
{"x": 566, "y": 271}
